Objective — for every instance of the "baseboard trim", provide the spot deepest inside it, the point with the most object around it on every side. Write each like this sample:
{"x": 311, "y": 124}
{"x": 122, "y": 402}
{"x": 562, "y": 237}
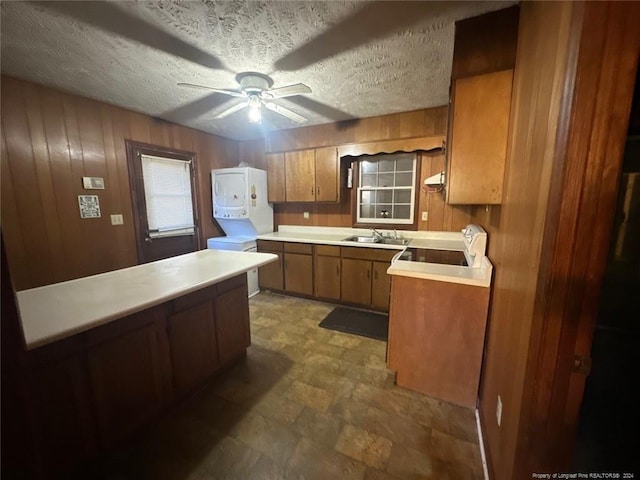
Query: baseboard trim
{"x": 483, "y": 455}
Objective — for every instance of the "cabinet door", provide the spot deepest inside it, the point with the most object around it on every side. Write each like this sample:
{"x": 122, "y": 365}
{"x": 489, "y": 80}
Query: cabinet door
{"x": 478, "y": 138}
{"x": 327, "y": 277}
{"x": 356, "y": 281}
{"x": 300, "y": 176}
{"x": 129, "y": 375}
{"x": 60, "y": 411}
{"x": 275, "y": 177}
{"x": 298, "y": 273}
{"x": 327, "y": 175}
{"x": 192, "y": 339}
{"x": 380, "y": 286}
{"x": 232, "y": 322}
{"x": 270, "y": 276}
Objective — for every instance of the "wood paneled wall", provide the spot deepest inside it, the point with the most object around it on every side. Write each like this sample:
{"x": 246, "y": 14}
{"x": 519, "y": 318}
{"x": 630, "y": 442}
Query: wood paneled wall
{"x": 516, "y": 228}
{"x": 572, "y": 90}
{"x": 419, "y": 123}
{"x": 50, "y": 140}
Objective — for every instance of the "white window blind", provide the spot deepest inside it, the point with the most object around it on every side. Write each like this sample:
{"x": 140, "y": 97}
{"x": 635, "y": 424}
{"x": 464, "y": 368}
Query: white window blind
{"x": 167, "y": 191}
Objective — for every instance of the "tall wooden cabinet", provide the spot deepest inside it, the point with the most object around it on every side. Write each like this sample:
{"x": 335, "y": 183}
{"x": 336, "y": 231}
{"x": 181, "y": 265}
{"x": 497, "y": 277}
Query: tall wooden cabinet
{"x": 300, "y": 176}
{"x": 275, "y": 177}
{"x": 298, "y": 268}
{"x": 481, "y": 85}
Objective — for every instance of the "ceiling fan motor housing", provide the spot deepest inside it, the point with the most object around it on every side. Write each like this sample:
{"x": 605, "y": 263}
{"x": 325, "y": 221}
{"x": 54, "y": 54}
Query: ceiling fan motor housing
{"x": 252, "y": 82}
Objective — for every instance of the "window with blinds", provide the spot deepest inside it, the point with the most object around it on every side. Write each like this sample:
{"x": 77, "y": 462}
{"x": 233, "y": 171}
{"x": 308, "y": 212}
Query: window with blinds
{"x": 386, "y": 189}
{"x": 167, "y": 191}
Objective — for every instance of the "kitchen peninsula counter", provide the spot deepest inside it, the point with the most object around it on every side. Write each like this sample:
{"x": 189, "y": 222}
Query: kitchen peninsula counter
{"x": 111, "y": 352}
{"x": 57, "y": 311}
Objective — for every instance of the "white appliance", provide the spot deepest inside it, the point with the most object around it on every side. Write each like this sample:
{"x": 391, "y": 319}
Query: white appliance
{"x": 240, "y": 203}
{"x": 475, "y": 242}
{"x": 239, "y": 244}
{"x": 241, "y": 208}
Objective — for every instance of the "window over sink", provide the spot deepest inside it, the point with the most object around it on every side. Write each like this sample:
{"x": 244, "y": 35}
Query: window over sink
{"x": 386, "y": 189}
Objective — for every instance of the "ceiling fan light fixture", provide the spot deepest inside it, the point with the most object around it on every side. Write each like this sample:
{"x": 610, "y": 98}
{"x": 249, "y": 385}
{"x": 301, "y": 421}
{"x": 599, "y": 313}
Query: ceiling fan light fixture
{"x": 255, "y": 109}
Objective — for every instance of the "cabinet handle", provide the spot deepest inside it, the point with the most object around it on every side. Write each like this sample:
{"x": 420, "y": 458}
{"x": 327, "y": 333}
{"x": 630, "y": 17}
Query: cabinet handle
{"x": 338, "y": 270}
{"x": 317, "y": 190}
{"x": 375, "y": 275}
{"x": 368, "y": 274}
{"x": 312, "y": 190}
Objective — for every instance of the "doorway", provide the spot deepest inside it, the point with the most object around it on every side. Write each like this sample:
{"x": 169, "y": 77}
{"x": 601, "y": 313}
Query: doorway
{"x": 164, "y": 195}
{"x": 607, "y": 431}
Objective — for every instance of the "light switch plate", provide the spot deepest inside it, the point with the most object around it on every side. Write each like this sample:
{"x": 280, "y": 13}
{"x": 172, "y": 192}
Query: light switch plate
{"x": 425, "y": 216}
{"x": 93, "y": 183}
{"x": 117, "y": 219}
{"x": 305, "y": 214}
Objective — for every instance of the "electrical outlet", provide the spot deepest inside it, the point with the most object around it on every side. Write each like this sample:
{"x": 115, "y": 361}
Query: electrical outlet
{"x": 117, "y": 220}
{"x": 305, "y": 214}
{"x": 499, "y": 410}
{"x": 425, "y": 216}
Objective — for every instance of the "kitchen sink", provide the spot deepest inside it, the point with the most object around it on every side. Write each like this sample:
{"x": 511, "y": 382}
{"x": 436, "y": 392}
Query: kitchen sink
{"x": 376, "y": 239}
{"x": 363, "y": 239}
{"x": 395, "y": 241}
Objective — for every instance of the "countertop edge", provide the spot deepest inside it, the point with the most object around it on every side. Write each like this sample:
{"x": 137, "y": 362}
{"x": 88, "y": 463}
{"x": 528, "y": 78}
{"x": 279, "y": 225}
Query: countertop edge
{"x": 34, "y": 341}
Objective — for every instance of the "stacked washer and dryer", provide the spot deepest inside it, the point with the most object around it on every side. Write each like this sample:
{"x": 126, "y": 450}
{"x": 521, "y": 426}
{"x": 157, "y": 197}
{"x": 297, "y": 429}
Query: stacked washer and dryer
{"x": 241, "y": 208}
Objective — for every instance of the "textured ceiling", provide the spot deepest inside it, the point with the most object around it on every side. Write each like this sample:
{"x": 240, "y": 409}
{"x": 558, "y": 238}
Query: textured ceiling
{"x": 360, "y": 59}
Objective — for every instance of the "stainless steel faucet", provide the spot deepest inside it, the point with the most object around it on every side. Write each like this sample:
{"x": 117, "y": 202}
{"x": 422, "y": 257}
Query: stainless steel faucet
{"x": 395, "y": 234}
{"x": 377, "y": 233}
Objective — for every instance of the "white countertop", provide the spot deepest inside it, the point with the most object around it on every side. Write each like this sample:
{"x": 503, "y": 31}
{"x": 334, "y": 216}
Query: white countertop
{"x": 480, "y": 276}
{"x": 337, "y": 236}
{"x": 57, "y": 311}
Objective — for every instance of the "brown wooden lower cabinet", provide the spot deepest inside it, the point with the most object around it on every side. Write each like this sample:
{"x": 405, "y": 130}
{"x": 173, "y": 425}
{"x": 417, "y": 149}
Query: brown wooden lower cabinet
{"x": 327, "y": 272}
{"x": 380, "y": 286}
{"x": 435, "y": 344}
{"x": 194, "y": 346}
{"x": 232, "y": 321}
{"x": 298, "y": 268}
{"x": 356, "y": 281}
{"x": 271, "y": 276}
{"x": 130, "y": 372}
{"x": 87, "y": 392}
{"x": 61, "y": 414}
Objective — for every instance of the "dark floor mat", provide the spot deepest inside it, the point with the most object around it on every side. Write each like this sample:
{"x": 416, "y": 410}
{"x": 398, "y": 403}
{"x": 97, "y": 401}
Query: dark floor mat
{"x": 358, "y": 322}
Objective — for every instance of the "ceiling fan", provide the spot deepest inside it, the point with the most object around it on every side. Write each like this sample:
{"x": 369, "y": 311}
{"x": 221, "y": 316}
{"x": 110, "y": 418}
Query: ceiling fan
{"x": 256, "y": 89}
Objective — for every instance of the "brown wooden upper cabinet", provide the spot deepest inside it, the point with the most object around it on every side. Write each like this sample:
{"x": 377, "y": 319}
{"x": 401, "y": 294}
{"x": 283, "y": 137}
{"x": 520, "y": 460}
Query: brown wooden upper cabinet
{"x": 304, "y": 176}
{"x": 481, "y": 87}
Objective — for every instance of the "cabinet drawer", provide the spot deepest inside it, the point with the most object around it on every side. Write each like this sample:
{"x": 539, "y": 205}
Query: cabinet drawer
{"x": 327, "y": 250}
{"x": 269, "y": 245}
{"x": 364, "y": 253}
{"x": 304, "y": 248}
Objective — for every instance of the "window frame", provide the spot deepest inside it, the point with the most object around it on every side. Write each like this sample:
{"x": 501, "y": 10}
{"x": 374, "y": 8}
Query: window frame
{"x": 355, "y": 166}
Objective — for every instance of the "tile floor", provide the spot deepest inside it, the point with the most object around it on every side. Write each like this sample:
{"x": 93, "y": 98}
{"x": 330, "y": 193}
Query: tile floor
{"x": 307, "y": 403}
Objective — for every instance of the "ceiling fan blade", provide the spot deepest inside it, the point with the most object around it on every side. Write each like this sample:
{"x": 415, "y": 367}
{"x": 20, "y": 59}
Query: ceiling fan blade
{"x": 232, "y": 109}
{"x": 287, "y": 91}
{"x": 233, "y": 93}
{"x": 321, "y": 108}
{"x": 195, "y": 109}
{"x": 285, "y": 112}
{"x": 111, "y": 18}
{"x": 374, "y": 20}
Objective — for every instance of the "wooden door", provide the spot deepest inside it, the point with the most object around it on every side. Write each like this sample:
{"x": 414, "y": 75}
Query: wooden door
{"x": 478, "y": 144}
{"x": 270, "y": 276}
{"x": 300, "y": 176}
{"x": 275, "y": 177}
{"x": 192, "y": 339}
{"x": 130, "y": 374}
{"x": 327, "y": 175}
{"x": 298, "y": 273}
{"x": 232, "y": 319}
{"x": 380, "y": 286}
{"x": 327, "y": 277}
{"x": 154, "y": 244}
{"x": 356, "y": 281}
